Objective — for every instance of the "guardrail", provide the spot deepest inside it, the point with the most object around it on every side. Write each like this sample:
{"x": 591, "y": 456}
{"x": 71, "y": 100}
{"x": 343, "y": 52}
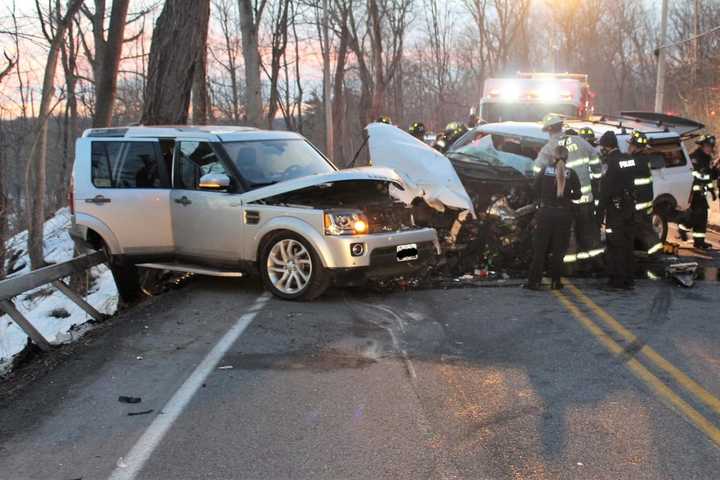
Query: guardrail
{"x": 53, "y": 274}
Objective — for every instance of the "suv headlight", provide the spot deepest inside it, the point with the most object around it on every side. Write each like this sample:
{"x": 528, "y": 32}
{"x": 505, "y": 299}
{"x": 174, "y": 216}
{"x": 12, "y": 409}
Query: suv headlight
{"x": 345, "y": 223}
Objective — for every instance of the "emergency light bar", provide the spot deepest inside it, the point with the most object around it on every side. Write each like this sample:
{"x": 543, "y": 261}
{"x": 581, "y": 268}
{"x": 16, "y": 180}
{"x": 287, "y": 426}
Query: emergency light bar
{"x": 546, "y": 93}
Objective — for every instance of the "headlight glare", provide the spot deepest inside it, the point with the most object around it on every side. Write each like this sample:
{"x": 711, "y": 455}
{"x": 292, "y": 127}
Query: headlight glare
{"x": 345, "y": 223}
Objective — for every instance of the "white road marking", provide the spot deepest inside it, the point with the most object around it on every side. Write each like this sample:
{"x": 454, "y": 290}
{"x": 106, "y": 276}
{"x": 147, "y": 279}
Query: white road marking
{"x": 139, "y": 454}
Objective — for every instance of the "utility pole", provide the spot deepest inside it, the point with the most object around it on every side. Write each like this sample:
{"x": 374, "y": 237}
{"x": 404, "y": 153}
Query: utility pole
{"x": 696, "y": 44}
{"x": 660, "y": 85}
{"x": 329, "y": 140}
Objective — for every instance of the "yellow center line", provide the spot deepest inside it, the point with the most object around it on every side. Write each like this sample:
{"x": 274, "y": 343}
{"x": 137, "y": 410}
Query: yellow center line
{"x": 643, "y": 374}
{"x": 680, "y": 377}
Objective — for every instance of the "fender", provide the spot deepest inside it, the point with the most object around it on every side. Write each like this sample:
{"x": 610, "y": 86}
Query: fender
{"x": 94, "y": 223}
{"x": 295, "y": 225}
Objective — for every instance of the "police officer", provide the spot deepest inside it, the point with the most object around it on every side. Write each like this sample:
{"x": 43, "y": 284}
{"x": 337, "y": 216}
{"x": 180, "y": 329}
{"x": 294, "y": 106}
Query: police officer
{"x": 555, "y": 188}
{"x": 703, "y": 175}
{"x": 645, "y": 234}
{"x": 417, "y": 130}
{"x": 617, "y": 210}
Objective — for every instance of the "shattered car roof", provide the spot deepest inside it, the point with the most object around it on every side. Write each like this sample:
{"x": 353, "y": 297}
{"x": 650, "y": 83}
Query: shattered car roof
{"x": 425, "y": 172}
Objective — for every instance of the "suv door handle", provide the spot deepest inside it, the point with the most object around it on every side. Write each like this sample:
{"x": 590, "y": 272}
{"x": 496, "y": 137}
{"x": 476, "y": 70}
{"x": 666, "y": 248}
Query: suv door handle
{"x": 183, "y": 200}
{"x": 98, "y": 199}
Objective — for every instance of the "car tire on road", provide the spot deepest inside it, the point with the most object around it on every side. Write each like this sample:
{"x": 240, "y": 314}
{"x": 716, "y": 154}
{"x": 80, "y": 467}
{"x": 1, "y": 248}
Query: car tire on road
{"x": 127, "y": 280}
{"x": 291, "y": 269}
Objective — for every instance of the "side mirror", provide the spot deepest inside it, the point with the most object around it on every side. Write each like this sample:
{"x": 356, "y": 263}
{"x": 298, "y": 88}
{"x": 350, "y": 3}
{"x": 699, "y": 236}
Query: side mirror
{"x": 214, "y": 181}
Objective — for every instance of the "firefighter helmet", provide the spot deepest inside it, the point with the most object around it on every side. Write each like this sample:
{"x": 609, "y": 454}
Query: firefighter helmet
{"x": 706, "y": 140}
{"x": 588, "y": 134}
{"x": 417, "y": 130}
{"x": 571, "y": 132}
{"x": 638, "y": 138}
{"x": 551, "y": 120}
{"x": 384, "y": 119}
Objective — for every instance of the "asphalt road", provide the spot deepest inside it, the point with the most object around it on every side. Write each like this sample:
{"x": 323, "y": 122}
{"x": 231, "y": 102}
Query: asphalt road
{"x": 472, "y": 383}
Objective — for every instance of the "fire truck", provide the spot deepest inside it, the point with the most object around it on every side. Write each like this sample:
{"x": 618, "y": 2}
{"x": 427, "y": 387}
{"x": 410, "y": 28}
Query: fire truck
{"x": 530, "y": 96}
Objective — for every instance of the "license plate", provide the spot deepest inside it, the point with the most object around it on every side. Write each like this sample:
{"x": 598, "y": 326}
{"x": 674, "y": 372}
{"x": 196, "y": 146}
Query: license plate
{"x": 408, "y": 252}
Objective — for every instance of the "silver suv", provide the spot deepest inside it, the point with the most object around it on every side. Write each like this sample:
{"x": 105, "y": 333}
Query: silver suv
{"x": 230, "y": 200}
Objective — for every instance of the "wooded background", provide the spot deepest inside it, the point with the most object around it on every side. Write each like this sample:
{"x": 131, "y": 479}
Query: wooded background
{"x": 72, "y": 64}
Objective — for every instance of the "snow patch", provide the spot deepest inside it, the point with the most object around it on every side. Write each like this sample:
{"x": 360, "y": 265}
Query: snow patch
{"x": 39, "y": 305}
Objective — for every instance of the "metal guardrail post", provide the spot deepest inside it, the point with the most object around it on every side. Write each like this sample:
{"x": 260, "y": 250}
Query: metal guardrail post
{"x": 79, "y": 301}
{"x": 53, "y": 274}
{"x": 25, "y": 324}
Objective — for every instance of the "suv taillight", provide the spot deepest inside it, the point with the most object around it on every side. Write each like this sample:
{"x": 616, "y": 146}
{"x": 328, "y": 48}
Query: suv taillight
{"x": 71, "y": 196}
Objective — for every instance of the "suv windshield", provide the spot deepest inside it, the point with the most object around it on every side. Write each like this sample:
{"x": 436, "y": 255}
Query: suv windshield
{"x": 265, "y": 162}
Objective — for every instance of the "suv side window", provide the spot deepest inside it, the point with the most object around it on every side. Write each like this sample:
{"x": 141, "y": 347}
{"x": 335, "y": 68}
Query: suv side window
{"x": 127, "y": 165}
{"x": 192, "y": 161}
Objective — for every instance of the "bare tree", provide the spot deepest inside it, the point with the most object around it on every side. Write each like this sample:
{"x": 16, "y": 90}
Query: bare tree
{"x": 4, "y": 204}
{"x": 251, "y": 13}
{"x": 278, "y": 46}
{"x": 54, "y": 30}
{"x": 177, "y": 47}
{"x": 386, "y": 22}
{"x": 200, "y": 88}
{"x": 227, "y": 97}
{"x": 105, "y": 61}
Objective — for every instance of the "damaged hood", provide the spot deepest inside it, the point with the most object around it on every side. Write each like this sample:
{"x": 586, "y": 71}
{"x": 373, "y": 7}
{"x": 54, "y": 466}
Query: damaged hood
{"x": 354, "y": 174}
{"x": 425, "y": 172}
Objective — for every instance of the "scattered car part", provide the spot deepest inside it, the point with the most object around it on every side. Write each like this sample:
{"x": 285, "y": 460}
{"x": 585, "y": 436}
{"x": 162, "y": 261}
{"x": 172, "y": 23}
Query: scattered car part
{"x": 683, "y": 273}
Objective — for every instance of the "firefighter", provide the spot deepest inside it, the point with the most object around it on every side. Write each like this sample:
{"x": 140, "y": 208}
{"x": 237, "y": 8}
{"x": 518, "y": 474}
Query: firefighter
{"x": 440, "y": 144}
{"x": 645, "y": 234}
{"x": 417, "y": 130}
{"x": 453, "y": 131}
{"x": 553, "y": 124}
{"x": 617, "y": 210}
{"x": 384, "y": 119}
{"x": 555, "y": 188}
{"x": 703, "y": 175}
{"x": 588, "y": 134}
{"x": 583, "y": 159}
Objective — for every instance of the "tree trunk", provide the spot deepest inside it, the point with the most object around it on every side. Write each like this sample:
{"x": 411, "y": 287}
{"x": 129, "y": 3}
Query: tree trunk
{"x": 200, "y": 90}
{"x": 36, "y": 191}
{"x": 177, "y": 44}
{"x": 377, "y": 105}
{"x": 279, "y": 44}
{"x": 107, "y": 58}
{"x": 249, "y": 21}
{"x": 338, "y": 101}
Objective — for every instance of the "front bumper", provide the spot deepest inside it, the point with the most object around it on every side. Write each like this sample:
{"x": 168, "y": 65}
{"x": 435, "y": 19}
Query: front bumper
{"x": 336, "y": 250}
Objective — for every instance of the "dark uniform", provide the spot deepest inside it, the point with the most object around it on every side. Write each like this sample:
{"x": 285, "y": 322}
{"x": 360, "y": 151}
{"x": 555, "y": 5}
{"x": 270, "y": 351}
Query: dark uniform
{"x": 554, "y": 219}
{"x": 617, "y": 207}
{"x": 702, "y": 185}
{"x": 646, "y": 238}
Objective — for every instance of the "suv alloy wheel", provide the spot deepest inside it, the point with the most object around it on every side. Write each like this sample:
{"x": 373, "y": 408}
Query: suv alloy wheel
{"x": 291, "y": 269}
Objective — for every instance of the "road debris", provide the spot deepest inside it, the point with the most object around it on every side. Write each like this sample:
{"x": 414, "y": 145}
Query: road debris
{"x": 127, "y": 399}
{"x": 226, "y": 367}
{"x": 143, "y": 412}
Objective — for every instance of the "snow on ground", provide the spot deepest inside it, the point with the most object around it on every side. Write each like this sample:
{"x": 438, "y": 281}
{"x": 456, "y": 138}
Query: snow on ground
{"x": 45, "y": 306}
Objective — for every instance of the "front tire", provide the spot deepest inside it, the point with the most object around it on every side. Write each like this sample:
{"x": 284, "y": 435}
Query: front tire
{"x": 127, "y": 281}
{"x": 291, "y": 269}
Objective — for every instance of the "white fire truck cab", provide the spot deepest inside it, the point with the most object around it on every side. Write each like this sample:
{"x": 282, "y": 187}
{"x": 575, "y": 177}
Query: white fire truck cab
{"x": 530, "y": 96}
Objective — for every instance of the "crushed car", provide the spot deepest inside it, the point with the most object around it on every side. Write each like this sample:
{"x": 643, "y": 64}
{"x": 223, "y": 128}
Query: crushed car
{"x": 492, "y": 165}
